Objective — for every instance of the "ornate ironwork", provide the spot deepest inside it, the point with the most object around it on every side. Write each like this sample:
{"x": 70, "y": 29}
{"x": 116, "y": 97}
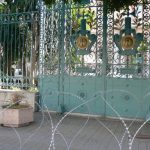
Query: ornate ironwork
{"x": 83, "y": 40}
{"x": 139, "y": 22}
{"x": 128, "y": 40}
{"x": 114, "y": 61}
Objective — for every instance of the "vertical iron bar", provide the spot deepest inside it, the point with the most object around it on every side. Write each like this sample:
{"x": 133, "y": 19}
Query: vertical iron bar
{"x": 15, "y": 48}
{"x": 8, "y": 48}
{"x": 19, "y": 53}
{"x": 32, "y": 46}
{"x": 11, "y": 53}
{"x": 1, "y": 48}
{"x": 4, "y": 55}
{"x": 23, "y": 51}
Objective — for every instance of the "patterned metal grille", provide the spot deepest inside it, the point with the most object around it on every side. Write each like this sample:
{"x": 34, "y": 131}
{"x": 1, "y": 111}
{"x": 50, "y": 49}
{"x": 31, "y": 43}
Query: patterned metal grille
{"x": 62, "y": 55}
{"x": 63, "y": 52}
{"x": 51, "y": 44}
{"x": 132, "y": 66}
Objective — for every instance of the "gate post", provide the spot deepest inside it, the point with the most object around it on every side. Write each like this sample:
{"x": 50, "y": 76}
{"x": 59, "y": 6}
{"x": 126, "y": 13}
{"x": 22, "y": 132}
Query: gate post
{"x": 41, "y": 50}
{"x": 104, "y": 52}
{"x": 61, "y": 49}
{"x": 105, "y": 18}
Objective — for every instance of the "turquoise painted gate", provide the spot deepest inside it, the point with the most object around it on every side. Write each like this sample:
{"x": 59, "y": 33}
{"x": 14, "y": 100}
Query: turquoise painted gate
{"x": 93, "y": 62}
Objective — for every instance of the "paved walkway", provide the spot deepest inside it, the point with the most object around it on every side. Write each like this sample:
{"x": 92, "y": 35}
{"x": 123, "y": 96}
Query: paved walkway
{"x": 73, "y": 133}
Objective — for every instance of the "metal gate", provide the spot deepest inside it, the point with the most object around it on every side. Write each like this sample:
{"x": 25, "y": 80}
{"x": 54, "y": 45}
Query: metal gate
{"x": 87, "y": 67}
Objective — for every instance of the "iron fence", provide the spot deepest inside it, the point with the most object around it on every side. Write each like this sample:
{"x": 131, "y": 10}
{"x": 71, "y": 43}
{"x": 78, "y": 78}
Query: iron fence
{"x": 19, "y": 46}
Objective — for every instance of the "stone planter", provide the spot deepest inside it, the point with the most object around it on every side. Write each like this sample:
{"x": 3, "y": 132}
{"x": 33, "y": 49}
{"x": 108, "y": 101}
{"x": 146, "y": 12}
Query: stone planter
{"x": 30, "y": 98}
{"x": 16, "y": 117}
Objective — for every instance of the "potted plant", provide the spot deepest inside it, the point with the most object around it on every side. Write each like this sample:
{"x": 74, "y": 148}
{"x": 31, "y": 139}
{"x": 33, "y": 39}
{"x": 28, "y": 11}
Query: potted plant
{"x": 17, "y": 113}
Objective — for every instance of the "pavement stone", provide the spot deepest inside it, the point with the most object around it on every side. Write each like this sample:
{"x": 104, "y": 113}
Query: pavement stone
{"x": 73, "y": 133}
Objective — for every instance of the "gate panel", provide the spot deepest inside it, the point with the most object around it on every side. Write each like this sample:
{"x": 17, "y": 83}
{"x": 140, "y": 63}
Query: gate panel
{"x": 85, "y": 94}
{"x": 127, "y": 97}
{"x": 50, "y": 92}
